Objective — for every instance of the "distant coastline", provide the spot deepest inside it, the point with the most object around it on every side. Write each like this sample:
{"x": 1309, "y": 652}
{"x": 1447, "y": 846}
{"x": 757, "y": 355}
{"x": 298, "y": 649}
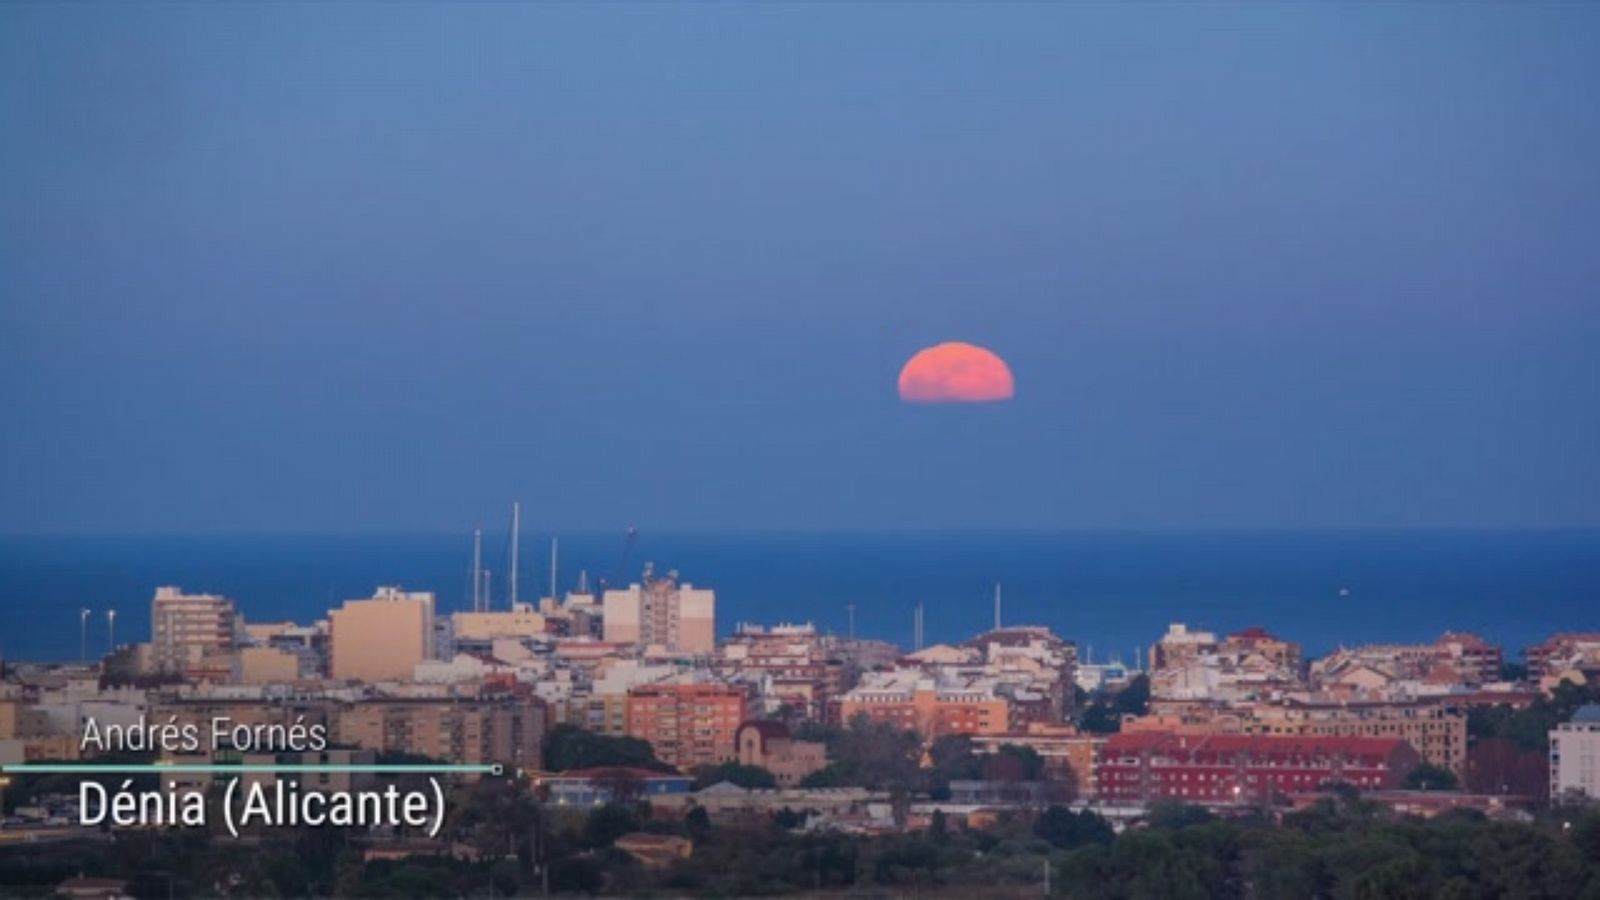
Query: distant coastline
{"x": 1109, "y": 590}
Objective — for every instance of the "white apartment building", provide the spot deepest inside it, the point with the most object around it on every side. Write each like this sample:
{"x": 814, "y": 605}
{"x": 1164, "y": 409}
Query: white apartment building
{"x": 1575, "y": 755}
{"x": 184, "y": 628}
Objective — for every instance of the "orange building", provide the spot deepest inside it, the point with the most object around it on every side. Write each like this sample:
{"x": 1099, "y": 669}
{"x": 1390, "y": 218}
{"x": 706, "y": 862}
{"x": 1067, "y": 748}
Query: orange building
{"x": 915, "y": 702}
{"x": 1068, "y": 755}
{"x": 688, "y": 724}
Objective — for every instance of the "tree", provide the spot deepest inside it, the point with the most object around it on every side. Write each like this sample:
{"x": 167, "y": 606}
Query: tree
{"x": 870, "y": 754}
{"x": 569, "y": 747}
{"x": 1530, "y": 728}
{"x": 1013, "y": 762}
{"x": 607, "y": 823}
{"x": 952, "y": 759}
{"x": 1429, "y": 777}
{"x": 1104, "y": 715}
{"x": 1498, "y": 766}
{"x": 1173, "y": 814}
{"x": 1099, "y": 718}
{"x": 1134, "y": 699}
{"x": 1066, "y": 830}
{"x": 1586, "y": 837}
{"x": 697, "y": 823}
{"x": 577, "y": 874}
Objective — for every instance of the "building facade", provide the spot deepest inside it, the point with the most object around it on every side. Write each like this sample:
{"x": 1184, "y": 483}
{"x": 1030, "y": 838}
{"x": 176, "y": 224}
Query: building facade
{"x": 770, "y": 746}
{"x": 660, "y": 612}
{"x": 1220, "y": 770}
{"x": 929, "y": 705}
{"x": 190, "y": 632}
{"x": 1436, "y": 731}
{"x": 381, "y": 639}
{"x": 688, "y": 723}
{"x": 1575, "y": 756}
{"x": 507, "y": 731}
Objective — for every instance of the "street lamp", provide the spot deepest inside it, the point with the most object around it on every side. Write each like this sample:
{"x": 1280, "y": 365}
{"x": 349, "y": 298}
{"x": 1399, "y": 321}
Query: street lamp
{"x": 83, "y": 635}
{"x": 111, "y": 630}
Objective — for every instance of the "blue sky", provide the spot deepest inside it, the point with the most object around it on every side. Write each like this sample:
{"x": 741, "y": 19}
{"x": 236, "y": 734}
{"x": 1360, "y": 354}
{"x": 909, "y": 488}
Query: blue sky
{"x": 293, "y": 267}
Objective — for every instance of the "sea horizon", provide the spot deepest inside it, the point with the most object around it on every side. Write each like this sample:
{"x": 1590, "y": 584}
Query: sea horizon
{"x": 1112, "y": 591}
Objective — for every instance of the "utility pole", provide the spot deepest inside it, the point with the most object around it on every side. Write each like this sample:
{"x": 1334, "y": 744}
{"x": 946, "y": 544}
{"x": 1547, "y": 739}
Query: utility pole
{"x": 997, "y": 606}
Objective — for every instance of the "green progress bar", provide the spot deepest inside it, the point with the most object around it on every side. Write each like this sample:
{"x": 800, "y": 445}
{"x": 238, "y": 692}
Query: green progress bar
{"x": 223, "y": 768}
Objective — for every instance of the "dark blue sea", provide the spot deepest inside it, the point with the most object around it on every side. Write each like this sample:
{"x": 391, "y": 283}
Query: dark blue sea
{"x": 1108, "y": 591}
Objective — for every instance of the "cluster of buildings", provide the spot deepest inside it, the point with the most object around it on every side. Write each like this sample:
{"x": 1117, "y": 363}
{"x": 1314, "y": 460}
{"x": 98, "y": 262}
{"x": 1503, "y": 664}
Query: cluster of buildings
{"x": 1567, "y": 656}
{"x": 1232, "y": 718}
{"x": 998, "y": 682}
{"x": 1253, "y": 684}
{"x": 390, "y": 673}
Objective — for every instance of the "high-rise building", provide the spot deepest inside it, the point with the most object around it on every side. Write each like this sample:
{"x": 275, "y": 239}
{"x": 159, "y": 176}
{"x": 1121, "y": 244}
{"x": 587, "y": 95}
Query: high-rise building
{"x": 662, "y": 613}
{"x": 186, "y": 629}
{"x": 1575, "y": 755}
{"x": 381, "y": 639}
{"x": 688, "y": 723}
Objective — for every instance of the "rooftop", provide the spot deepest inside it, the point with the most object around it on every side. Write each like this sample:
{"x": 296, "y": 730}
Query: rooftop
{"x": 1238, "y": 743}
{"x": 1587, "y": 713}
{"x": 604, "y": 772}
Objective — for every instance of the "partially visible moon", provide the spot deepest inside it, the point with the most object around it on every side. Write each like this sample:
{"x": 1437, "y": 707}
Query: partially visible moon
{"x": 956, "y": 372}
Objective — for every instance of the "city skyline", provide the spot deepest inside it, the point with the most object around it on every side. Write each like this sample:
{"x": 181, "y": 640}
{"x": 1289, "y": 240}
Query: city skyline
{"x": 1085, "y": 450}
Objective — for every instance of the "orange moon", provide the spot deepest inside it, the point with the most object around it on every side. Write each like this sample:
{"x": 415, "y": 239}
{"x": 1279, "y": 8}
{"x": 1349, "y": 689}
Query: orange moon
{"x": 955, "y": 372}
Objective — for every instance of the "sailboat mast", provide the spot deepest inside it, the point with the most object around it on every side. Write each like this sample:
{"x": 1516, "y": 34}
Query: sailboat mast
{"x": 516, "y": 539}
{"x": 555, "y": 558}
{"x": 477, "y": 570}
